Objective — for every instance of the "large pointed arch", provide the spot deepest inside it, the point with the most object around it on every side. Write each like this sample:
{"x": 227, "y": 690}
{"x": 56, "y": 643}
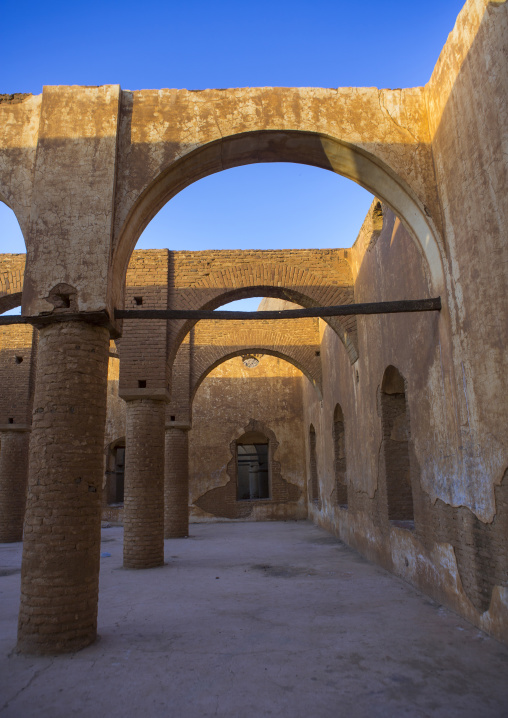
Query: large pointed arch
{"x": 312, "y": 148}
{"x": 306, "y": 371}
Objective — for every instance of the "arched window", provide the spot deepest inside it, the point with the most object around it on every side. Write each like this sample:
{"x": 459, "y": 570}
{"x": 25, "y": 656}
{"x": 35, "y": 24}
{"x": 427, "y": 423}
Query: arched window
{"x": 252, "y": 459}
{"x": 396, "y": 433}
{"x": 314, "y": 482}
{"x": 339, "y": 447}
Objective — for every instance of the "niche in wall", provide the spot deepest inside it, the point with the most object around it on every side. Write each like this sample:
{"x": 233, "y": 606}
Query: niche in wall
{"x": 395, "y": 447}
{"x": 339, "y": 451}
{"x": 314, "y": 482}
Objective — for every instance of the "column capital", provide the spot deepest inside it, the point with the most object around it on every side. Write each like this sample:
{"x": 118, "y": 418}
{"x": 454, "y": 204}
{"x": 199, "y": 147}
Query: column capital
{"x": 99, "y": 319}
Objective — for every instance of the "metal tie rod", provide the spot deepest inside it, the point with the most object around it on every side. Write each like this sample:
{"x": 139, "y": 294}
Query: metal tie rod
{"x": 405, "y": 305}
{"x": 398, "y": 307}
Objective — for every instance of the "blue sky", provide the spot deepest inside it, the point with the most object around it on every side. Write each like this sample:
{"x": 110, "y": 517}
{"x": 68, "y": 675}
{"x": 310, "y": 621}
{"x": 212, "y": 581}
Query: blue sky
{"x": 195, "y": 45}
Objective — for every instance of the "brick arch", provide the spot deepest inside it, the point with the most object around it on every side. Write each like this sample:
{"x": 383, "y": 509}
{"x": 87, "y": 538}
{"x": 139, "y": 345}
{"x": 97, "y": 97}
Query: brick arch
{"x": 310, "y": 372}
{"x": 12, "y": 270}
{"x": 307, "y": 277}
{"x": 346, "y": 154}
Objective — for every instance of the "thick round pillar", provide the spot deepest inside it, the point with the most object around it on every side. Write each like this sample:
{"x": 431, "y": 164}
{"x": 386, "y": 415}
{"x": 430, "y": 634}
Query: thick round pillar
{"x": 176, "y": 483}
{"x": 13, "y": 481}
{"x": 143, "y": 542}
{"x": 60, "y": 568}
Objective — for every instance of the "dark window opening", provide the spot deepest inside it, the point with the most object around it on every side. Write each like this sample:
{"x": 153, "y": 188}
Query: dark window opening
{"x": 138, "y": 300}
{"x": 339, "y": 445}
{"x": 318, "y": 353}
{"x": 62, "y": 301}
{"x": 18, "y": 359}
{"x": 253, "y": 479}
{"x": 11, "y": 420}
{"x": 141, "y": 383}
{"x": 396, "y": 433}
{"x": 314, "y": 481}
{"x": 116, "y": 475}
{"x": 173, "y": 418}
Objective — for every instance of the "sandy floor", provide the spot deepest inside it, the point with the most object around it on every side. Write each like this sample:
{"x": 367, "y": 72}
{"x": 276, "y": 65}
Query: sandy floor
{"x": 255, "y": 619}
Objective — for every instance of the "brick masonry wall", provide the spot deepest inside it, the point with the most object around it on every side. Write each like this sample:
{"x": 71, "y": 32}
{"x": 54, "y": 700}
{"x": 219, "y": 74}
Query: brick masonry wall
{"x": 13, "y": 482}
{"x": 205, "y": 280}
{"x": 17, "y": 373}
{"x": 143, "y": 346}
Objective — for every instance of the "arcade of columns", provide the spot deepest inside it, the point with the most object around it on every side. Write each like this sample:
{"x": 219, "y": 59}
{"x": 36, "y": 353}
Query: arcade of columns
{"x": 85, "y": 170}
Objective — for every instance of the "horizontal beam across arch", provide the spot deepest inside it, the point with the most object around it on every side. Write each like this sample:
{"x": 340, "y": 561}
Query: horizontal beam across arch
{"x": 353, "y": 161}
{"x": 405, "y": 305}
{"x": 398, "y": 307}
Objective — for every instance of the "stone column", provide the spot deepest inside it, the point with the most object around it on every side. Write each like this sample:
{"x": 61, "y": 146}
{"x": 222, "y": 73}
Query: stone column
{"x": 143, "y": 542}
{"x": 176, "y": 482}
{"x": 61, "y": 550}
{"x": 14, "y": 441}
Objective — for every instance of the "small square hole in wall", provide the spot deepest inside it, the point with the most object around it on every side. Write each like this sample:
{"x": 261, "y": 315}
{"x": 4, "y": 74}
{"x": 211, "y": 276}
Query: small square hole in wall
{"x": 318, "y": 353}
{"x": 141, "y": 383}
{"x": 18, "y": 360}
{"x": 173, "y": 418}
{"x": 64, "y": 300}
{"x": 139, "y": 301}
{"x": 11, "y": 421}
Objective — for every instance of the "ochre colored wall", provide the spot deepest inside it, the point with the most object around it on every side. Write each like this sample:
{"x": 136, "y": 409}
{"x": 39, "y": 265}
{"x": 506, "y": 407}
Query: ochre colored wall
{"x": 225, "y": 404}
{"x": 451, "y": 554}
{"x": 467, "y": 98}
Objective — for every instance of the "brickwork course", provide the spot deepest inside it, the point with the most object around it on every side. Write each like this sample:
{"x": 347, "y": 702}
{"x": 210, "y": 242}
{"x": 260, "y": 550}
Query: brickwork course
{"x": 437, "y": 227}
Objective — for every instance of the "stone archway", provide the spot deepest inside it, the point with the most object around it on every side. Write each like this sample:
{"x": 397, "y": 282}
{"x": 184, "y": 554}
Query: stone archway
{"x": 352, "y": 160}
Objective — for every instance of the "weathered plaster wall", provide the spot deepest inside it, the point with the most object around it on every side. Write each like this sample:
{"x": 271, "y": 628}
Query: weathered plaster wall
{"x": 19, "y": 127}
{"x": 450, "y": 554}
{"x": 467, "y": 99}
{"x": 224, "y": 406}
